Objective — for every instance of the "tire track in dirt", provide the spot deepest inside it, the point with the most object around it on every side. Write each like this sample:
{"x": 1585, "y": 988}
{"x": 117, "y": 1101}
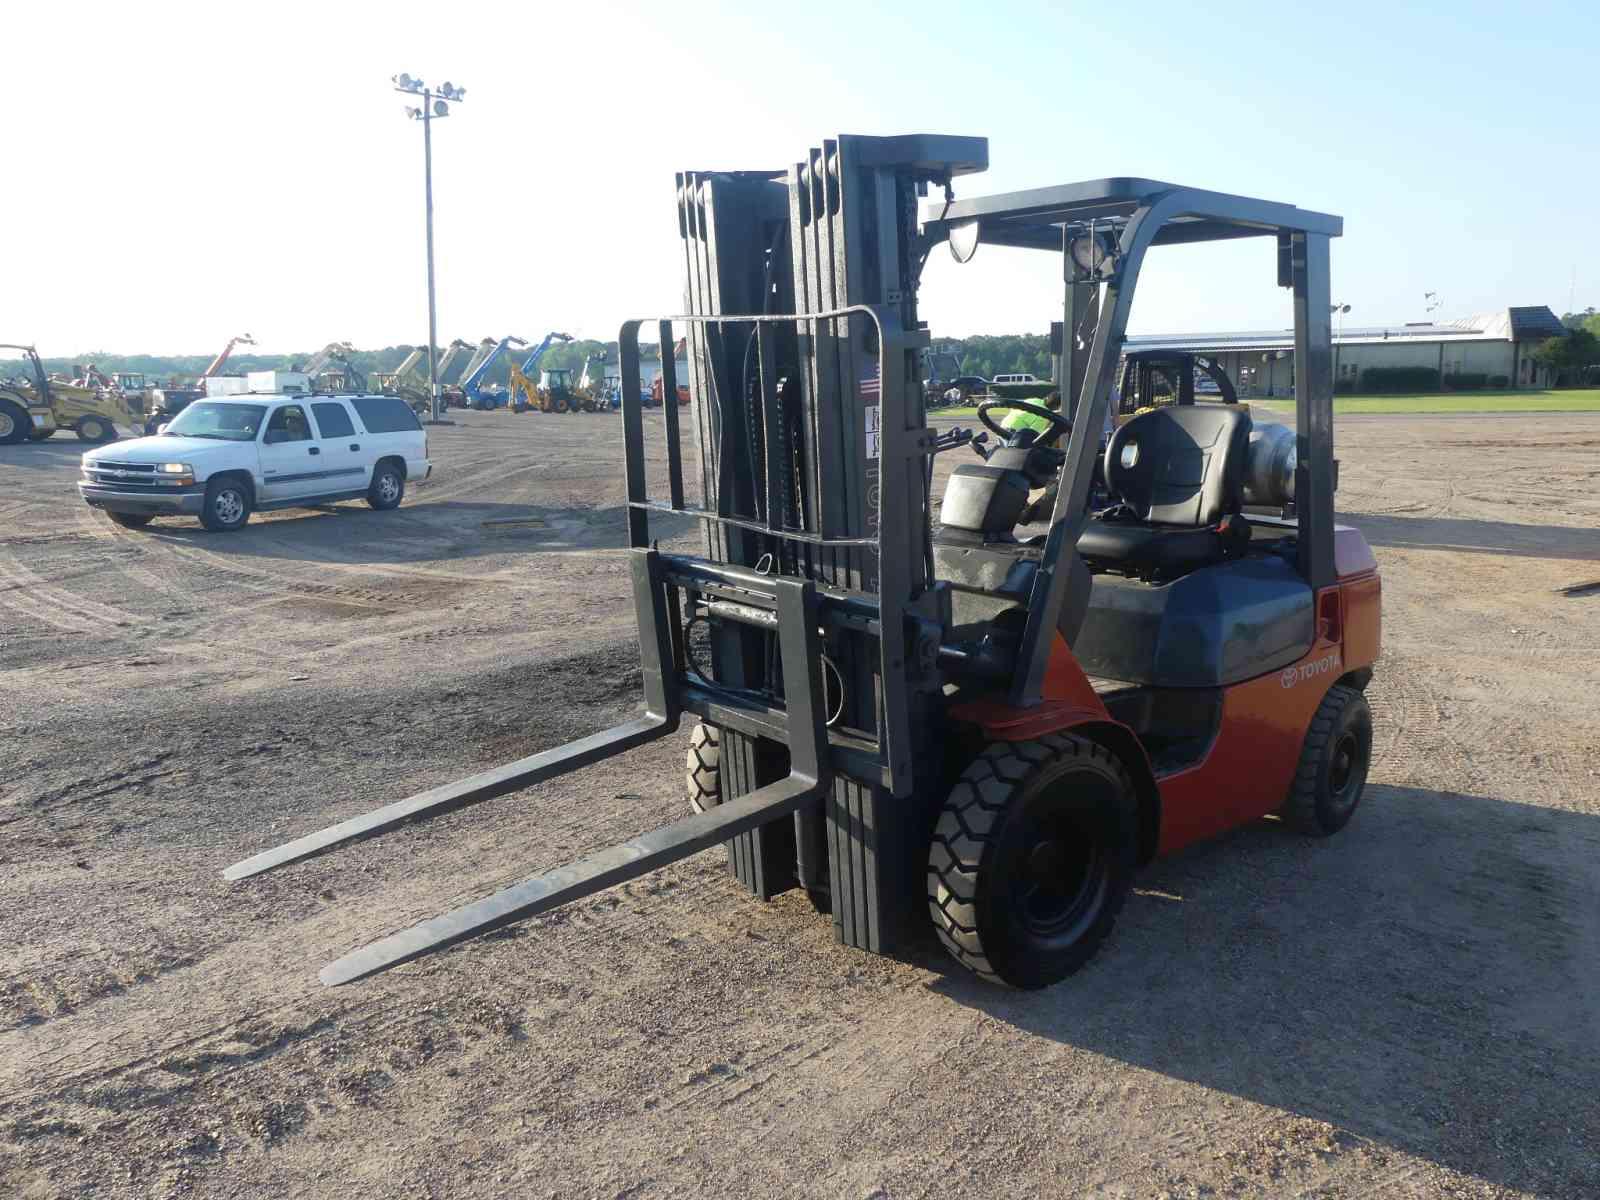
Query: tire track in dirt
{"x": 26, "y": 594}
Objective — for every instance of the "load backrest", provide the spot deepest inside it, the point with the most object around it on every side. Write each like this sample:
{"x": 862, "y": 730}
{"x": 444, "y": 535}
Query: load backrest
{"x": 1180, "y": 466}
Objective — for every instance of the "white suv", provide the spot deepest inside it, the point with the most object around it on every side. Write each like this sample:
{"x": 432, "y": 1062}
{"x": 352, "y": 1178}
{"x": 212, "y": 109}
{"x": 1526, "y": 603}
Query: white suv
{"x": 222, "y": 458}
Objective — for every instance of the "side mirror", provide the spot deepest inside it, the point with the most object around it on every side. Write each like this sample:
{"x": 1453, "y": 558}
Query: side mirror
{"x": 162, "y": 428}
{"x": 273, "y": 436}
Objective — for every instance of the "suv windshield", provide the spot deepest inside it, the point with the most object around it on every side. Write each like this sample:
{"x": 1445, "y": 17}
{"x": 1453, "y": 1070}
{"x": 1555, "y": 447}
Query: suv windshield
{"x": 225, "y": 422}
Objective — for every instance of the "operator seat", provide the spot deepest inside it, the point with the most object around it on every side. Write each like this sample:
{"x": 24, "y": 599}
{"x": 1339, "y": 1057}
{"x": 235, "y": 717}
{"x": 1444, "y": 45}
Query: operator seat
{"x": 1179, "y": 474}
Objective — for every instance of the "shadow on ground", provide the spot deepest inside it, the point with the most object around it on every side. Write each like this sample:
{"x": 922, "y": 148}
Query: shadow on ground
{"x": 1482, "y": 537}
{"x": 1290, "y": 972}
{"x": 421, "y": 532}
{"x": 48, "y": 454}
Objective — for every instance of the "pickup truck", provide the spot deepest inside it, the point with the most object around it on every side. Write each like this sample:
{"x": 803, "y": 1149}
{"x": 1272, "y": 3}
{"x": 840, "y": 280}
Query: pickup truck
{"x": 221, "y": 459}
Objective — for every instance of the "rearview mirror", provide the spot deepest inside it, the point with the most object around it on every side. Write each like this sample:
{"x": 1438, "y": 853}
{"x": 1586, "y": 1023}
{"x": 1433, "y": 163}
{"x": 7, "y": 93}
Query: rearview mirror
{"x": 963, "y": 240}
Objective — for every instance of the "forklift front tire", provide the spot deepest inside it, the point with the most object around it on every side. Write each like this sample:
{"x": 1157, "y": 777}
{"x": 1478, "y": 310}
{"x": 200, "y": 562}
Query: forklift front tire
{"x": 1333, "y": 764}
{"x": 702, "y": 778}
{"x": 1032, "y": 858}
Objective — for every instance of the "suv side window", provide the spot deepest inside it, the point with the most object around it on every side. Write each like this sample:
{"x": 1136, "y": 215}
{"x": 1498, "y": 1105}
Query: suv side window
{"x": 386, "y": 414}
{"x": 288, "y": 424}
{"x": 332, "y": 420}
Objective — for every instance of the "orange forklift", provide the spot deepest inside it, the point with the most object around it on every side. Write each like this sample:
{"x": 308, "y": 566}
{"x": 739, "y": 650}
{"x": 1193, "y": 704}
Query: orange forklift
{"x": 926, "y": 714}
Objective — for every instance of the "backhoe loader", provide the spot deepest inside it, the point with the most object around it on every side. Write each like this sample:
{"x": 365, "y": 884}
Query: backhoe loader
{"x": 33, "y": 406}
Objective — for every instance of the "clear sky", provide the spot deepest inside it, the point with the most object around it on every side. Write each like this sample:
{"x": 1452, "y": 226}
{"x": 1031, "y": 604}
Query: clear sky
{"x": 181, "y": 174}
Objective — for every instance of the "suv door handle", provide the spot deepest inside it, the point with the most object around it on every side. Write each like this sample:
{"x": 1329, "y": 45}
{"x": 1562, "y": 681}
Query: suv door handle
{"x": 355, "y": 445}
{"x": 314, "y": 450}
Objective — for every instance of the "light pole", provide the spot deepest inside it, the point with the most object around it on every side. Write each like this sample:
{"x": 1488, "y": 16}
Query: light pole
{"x": 1339, "y": 311}
{"x": 430, "y": 109}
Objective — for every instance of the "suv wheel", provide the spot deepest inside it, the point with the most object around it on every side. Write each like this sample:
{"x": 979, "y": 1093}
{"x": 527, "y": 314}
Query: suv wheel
{"x": 227, "y": 505}
{"x": 388, "y": 487}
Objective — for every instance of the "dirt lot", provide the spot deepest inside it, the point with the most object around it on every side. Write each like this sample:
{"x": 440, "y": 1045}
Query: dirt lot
{"x": 1409, "y": 1009}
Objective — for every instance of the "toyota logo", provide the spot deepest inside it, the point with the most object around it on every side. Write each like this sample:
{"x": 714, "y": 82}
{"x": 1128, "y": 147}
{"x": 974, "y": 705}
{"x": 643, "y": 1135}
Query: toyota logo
{"x": 1288, "y": 677}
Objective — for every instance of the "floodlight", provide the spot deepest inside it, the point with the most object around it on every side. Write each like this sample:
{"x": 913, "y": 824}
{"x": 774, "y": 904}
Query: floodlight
{"x": 441, "y": 109}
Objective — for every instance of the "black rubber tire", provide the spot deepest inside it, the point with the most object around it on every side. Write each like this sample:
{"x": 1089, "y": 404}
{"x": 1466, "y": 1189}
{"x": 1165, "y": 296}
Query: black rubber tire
{"x": 19, "y": 425}
{"x": 131, "y": 520}
{"x": 1333, "y": 765}
{"x": 388, "y": 487}
{"x": 1061, "y": 809}
{"x": 224, "y": 522}
{"x": 95, "y": 430}
{"x": 702, "y": 780}
{"x": 39, "y": 435}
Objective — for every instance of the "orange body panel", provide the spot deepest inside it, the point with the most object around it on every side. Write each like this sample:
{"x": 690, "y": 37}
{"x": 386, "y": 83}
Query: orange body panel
{"x": 1247, "y": 772}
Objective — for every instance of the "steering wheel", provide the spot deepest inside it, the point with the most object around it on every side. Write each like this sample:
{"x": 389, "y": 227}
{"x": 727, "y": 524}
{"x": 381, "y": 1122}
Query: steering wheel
{"x": 1058, "y": 424}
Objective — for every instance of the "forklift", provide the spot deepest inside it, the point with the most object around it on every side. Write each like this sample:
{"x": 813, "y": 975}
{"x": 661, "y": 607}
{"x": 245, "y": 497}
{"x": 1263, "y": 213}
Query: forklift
{"x": 1151, "y": 378}
{"x": 916, "y": 720}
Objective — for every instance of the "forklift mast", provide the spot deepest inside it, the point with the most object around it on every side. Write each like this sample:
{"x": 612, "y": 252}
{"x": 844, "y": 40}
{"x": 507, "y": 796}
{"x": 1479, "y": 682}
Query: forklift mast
{"x": 806, "y": 427}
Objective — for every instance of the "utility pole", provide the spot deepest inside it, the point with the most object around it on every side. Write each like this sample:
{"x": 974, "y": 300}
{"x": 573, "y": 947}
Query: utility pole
{"x": 430, "y": 110}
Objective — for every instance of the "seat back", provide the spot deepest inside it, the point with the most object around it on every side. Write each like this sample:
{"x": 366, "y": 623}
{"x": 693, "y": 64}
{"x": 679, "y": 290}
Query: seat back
{"x": 1180, "y": 466}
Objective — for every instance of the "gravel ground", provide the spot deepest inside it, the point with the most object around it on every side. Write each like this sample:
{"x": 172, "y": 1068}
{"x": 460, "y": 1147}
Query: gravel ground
{"x": 1411, "y": 1008}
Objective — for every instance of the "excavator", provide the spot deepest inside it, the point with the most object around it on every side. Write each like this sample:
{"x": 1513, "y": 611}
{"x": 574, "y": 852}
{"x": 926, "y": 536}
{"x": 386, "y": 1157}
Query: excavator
{"x": 524, "y": 395}
{"x": 477, "y": 396}
{"x": 166, "y": 403}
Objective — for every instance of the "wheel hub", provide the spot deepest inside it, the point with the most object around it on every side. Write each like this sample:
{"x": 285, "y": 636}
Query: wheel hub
{"x": 228, "y": 506}
{"x": 1342, "y": 766}
{"x": 7, "y": 424}
{"x": 1057, "y": 881}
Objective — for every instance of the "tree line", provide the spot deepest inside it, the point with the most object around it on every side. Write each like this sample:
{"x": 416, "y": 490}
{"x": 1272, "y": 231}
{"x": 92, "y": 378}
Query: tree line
{"x": 177, "y": 368}
{"x": 1573, "y": 358}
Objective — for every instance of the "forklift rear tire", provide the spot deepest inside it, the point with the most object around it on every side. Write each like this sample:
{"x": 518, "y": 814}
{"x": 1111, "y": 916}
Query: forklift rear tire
{"x": 1032, "y": 858}
{"x": 1333, "y": 765}
{"x": 702, "y": 779}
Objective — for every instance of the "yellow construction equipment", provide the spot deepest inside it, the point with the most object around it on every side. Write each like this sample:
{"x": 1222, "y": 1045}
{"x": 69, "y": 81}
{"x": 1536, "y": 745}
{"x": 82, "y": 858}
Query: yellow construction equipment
{"x": 33, "y": 406}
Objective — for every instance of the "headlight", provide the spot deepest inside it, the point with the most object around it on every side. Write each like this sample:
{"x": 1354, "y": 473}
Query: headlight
{"x": 175, "y": 469}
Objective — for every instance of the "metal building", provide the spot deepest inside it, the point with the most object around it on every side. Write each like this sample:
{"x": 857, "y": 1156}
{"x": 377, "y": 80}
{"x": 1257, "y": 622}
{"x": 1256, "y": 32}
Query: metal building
{"x": 1496, "y": 344}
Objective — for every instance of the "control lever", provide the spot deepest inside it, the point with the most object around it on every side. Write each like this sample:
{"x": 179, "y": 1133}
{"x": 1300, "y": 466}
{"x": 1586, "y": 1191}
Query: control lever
{"x": 957, "y": 437}
{"x": 979, "y": 443}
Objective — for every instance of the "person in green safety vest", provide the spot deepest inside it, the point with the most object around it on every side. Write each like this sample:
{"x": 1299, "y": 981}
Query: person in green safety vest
{"x": 1017, "y": 420}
